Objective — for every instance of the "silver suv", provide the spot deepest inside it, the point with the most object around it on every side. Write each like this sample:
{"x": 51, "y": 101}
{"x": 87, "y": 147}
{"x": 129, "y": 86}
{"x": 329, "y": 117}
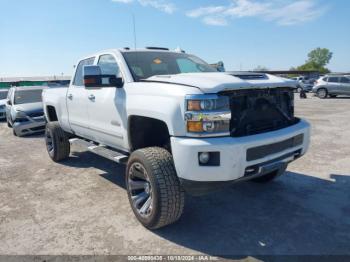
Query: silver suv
{"x": 332, "y": 86}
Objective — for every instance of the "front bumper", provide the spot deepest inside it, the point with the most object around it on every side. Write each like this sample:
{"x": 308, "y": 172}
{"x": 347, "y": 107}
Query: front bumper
{"x": 234, "y": 162}
{"x": 32, "y": 126}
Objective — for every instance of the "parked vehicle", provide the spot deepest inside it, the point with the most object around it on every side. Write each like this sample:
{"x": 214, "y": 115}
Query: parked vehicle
{"x": 332, "y": 86}
{"x": 24, "y": 110}
{"x": 303, "y": 84}
{"x": 177, "y": 123}
{"x": 3, "y": 96}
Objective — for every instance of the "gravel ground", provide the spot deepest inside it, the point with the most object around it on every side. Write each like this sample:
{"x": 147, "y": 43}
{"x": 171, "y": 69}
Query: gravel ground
{"x": 80, "y": 207}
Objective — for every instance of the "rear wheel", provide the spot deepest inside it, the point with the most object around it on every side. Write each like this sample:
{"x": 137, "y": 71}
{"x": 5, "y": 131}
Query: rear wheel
{"x": 322, "y": 93}
{"x": 155, "y": 194}
{"x": 271, "y": 176}
{"x": 57, "y": 142}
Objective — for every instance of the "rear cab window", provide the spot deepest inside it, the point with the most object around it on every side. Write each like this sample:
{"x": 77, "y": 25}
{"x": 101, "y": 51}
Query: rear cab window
{"x": 78, "y": 78}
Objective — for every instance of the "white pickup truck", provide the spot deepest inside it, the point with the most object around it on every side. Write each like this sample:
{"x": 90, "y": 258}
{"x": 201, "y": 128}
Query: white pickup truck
{"x": 178, "y": 124}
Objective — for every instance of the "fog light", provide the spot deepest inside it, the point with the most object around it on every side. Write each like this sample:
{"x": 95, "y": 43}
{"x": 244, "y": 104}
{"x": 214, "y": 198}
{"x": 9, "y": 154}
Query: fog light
{"x": 204, "y": 157}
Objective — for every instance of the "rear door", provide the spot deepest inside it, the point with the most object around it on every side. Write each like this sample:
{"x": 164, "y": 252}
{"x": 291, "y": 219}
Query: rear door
{"x": 106, "y": 107}
{"x": 77, "y": 101}
{"x": 345, "y": 85}
{"x": 333, "y": 85}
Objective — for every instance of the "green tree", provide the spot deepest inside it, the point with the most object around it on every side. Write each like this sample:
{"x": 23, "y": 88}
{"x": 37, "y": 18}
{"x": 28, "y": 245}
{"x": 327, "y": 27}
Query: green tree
{"x": 317, "y": 61}
{"x": 320, "y": 57}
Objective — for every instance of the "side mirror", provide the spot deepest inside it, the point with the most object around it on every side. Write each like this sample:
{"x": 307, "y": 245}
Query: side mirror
{"x": 94, "y": 79}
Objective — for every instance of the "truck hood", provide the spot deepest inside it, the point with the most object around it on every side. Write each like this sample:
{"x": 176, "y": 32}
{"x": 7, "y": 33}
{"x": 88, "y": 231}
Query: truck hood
{"x": 29, "y": 108}
{"x": 2, "y": 102}
{"x": 217, "y": 82}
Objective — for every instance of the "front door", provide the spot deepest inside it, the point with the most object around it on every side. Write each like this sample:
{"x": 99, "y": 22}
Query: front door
{"x": 106, "y": 107}
{"x": 345, "y": 85}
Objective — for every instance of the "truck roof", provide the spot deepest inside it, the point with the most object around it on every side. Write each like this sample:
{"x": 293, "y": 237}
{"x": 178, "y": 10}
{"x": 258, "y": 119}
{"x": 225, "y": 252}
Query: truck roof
{"x": 132, "y": 50}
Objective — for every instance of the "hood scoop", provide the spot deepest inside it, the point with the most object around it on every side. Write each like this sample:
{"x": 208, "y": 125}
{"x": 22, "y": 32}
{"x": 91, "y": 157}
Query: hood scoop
{"x": 249, "y": 76}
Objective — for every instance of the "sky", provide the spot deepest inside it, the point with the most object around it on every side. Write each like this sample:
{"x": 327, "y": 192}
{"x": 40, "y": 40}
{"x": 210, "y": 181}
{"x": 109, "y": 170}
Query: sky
{"x": 47, "y": 37}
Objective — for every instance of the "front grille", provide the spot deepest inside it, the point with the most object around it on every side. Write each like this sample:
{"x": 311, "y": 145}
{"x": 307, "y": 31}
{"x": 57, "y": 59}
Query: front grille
{"x": 39, "y": 128}
{"x": 36, "y": 114}
{"x": 256, "y": 111}
{"x": 266, "y": 150}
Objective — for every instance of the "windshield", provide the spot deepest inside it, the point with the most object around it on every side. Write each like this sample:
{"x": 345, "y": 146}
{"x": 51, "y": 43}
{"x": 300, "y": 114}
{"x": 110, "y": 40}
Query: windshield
{"x": 28, "y": 96}
{"x": 146, "y": 64}
{"x": 3, "y": 94}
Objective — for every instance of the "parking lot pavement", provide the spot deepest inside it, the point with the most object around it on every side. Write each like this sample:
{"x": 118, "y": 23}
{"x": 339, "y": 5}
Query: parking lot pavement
{"x": 80, "y": 206}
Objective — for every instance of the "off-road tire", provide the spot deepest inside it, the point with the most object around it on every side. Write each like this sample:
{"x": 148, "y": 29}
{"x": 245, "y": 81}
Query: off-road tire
{"x": 168, "y": 196}
{"x": 322, "y": 93}
{"x": 14, "y": 132}
{"x": 270, "y": 177}
{"x": 8, "y": 124}
{"x": 59, "y": 142}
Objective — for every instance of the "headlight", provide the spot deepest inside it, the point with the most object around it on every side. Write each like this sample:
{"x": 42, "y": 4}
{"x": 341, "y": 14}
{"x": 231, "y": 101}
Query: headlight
{"x": 20, "y": 114}
{"x": 208, "y": 115}
{"x": 208, "y": 103}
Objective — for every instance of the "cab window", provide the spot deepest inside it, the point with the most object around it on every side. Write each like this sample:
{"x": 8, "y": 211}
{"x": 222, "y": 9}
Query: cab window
{"x": 78, "y": 79}
{"x": 108, "y": 65}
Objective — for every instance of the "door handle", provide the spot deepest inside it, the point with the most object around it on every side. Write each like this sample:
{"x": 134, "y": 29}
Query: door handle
{"x": 91, "y": 97}
{"x": 70, "y": 96}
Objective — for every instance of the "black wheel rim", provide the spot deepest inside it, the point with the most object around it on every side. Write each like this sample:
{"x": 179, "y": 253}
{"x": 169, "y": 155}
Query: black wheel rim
{"x": 49, "y": 141}
{"x": 140, "y": 189}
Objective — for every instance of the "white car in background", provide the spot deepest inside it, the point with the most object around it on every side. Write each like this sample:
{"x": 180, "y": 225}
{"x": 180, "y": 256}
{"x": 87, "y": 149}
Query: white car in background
{"x": 3, "y": 96}
{"x": 24, "y": 110}
{"x": 303, "y": 84}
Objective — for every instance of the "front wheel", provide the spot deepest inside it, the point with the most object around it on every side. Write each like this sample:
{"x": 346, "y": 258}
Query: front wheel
{"x": 57, "y": 142}
{"x": 271, "y": 176}
{"x": 155, "y": 194}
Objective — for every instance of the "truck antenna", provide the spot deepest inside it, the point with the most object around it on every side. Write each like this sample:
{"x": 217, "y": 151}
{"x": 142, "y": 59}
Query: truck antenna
{"x": 134, "y": 27}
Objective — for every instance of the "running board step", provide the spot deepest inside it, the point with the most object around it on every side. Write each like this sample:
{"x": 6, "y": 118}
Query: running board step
{"x": 100, "y": 150}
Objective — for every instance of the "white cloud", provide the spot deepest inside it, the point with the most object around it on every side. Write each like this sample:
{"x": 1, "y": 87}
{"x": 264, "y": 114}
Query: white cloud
{"x": 204, "y": 11}
{"x": 161, "y": 5}
{"x": 282, "y": 12}
{"x": 212, "y": 20}
{"x": 123, "y": 1}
